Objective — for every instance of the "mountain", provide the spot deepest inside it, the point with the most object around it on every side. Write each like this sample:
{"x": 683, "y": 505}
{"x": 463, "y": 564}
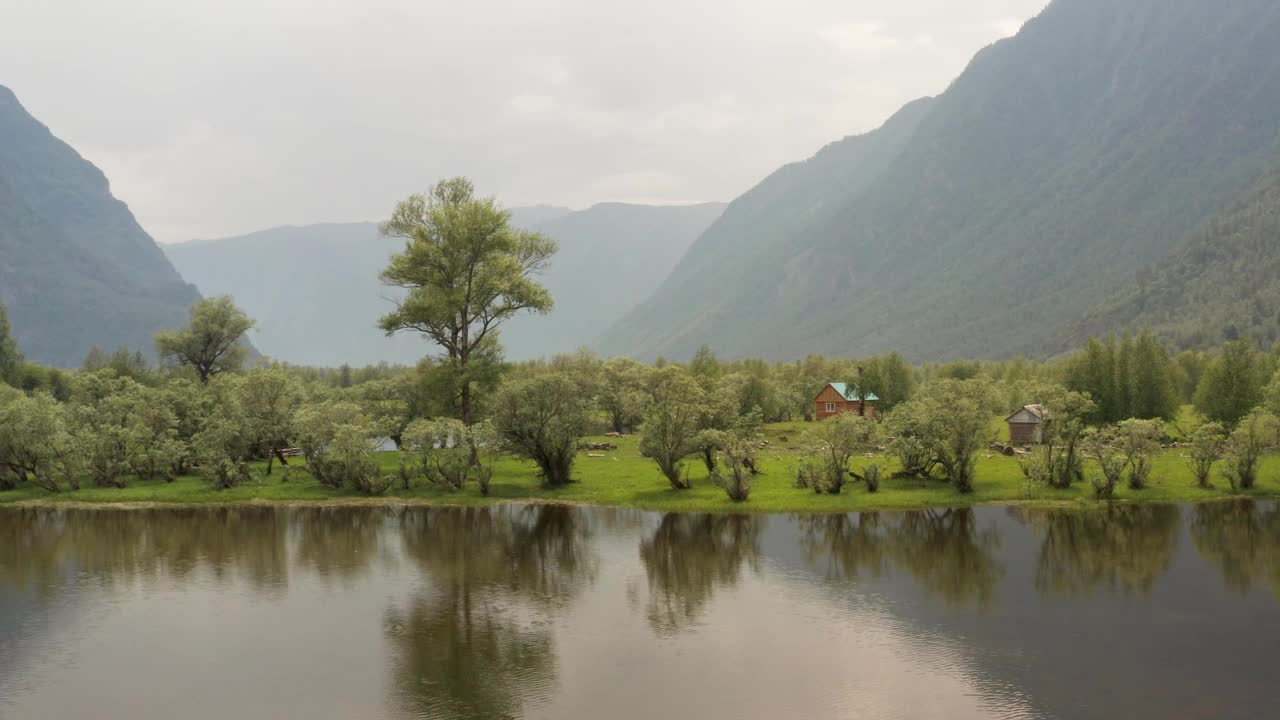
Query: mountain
{"x": 611, "y": 257}
{"x": 1223, "y": 284}
{"x": 76, "y": 269}
{"x": 315, "y": 293}
{"x": 986, "y": 221}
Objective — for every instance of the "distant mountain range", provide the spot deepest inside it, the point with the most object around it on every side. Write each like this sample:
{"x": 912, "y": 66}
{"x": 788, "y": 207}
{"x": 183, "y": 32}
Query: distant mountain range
{"x": 76, "y": 269}
{"x": 315, "y": 292}
{"x": 988, "y": 221}
{"x": 1115, "y": 165}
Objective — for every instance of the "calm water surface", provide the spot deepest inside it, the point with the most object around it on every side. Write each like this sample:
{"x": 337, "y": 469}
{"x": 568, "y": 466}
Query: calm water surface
{"x": 558, "y": 612}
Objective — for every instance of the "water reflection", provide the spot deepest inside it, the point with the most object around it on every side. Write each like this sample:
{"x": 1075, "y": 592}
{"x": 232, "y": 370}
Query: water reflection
{"x": 688, "y": 558}
{"x": 1121, "y": 547}
{"x": 947, "y": 551}
{"x": 477, "y": 643}
{"x": 342, "y": 544}
{"x": 1242, "y": 538}
{"x": 40, "y": 548}
{"x": 578, "y": 613}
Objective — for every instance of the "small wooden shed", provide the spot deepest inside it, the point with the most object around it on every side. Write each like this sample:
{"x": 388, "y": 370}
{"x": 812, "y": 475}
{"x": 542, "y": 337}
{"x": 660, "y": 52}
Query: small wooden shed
{"x": 1025, "y": 426}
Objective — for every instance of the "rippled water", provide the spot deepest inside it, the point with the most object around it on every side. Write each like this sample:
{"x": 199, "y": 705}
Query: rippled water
{"x": 559, "y": 612}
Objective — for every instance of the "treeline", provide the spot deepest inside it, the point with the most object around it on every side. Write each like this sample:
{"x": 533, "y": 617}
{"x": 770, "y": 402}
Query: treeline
{"x": 465, "y": 270}
{"x": 120, "y": 418}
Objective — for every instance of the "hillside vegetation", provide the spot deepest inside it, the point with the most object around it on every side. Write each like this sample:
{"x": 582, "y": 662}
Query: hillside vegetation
{"x": 1224, "y": 284}
{"x": 986, "y": 221}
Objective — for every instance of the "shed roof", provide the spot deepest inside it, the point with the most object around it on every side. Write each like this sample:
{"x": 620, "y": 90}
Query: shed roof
{"x": 1037, "y": 410}
{"x": 849, "y": 392}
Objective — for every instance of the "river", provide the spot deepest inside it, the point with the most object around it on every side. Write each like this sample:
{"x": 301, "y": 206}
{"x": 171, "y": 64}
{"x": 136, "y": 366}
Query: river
{"x": 581, "y": 613}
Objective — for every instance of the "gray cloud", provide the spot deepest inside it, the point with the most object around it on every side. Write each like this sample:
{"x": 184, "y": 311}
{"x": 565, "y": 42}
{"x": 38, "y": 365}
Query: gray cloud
{"x": 215, "y": 118}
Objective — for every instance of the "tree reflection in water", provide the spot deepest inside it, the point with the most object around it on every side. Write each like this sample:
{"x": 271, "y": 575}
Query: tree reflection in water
{"x": 39, "y": 548}
{"x": 944, "y": 550}
{"x": 477, "y": 642}
{"x": 1118, "y": 547}
{"x": 1242, "y": 538}
{"x": 689, "y": 557}
{"x": 845, "y": 546}
{"x": 341, "y": 543}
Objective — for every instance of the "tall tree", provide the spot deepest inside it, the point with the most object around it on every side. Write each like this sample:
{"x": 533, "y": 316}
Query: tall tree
{"x": 1093, "y": 371}
{"x": 1231, "y": 386}
{"x": 1154, "y": 391}
{"x": 10, "y": 355}
{"x": 212, "y": 343}
{"x": 466, "y": 271}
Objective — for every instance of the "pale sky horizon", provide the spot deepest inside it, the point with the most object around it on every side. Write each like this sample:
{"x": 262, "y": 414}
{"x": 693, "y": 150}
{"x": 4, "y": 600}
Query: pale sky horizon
{"x": 219, "y": 119}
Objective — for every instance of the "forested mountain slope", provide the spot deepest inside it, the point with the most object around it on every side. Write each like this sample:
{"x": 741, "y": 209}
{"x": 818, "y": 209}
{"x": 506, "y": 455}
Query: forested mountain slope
{"x": 315, "y": 293}
{"x": 76, "y": 269}
{"x": 1224, "y": 284}
{"x": 985, "y": 222}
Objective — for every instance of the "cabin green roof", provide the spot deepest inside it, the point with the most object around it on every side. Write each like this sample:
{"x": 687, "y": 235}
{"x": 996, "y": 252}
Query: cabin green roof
{"x": 850, "y": 392}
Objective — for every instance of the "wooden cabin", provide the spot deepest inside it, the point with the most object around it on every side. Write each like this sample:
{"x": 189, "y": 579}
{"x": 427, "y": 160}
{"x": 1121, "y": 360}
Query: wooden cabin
{"x": 838, "y": 398}
{"x": 1026, "y": 425}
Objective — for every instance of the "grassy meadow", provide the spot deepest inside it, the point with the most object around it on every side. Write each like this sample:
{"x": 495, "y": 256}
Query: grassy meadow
{"x": 623, "y": 478}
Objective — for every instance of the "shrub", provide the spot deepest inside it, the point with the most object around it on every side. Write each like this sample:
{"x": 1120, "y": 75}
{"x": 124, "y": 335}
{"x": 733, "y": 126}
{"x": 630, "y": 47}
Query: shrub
{"x": 449, "y": 454}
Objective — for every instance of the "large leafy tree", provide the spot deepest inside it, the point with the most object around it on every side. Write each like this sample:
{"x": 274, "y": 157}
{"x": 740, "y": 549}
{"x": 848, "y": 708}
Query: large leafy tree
{"x": 212, "y": 343}
{"x": 465, "y": 270}
{"x": 672, "y": 421}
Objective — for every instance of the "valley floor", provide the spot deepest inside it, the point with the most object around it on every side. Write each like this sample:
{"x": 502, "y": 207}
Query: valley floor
{"x": 623, "y": 478}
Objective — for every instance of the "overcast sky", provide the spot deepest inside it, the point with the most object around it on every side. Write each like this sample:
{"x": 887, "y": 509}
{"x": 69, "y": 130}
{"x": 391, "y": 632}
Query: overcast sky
{"x": 220, "y": 117}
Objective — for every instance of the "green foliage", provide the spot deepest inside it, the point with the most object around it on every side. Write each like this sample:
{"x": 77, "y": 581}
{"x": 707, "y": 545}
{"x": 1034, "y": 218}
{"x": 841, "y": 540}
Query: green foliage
{"x": 336, "y": 440}
{"x": 948, "y": 421}
{"x": 212, "y": 343}
{"x": 542, "y": 418}
{"x": 449, "y": 454}
{"x": 1058, "y": 460}
{"x": 1255, "y": 435}
{"x": 465, "y": 272}
{"x": 10, "y": 356}
{"x": 672, "y": 422}
{"x": 268, "y": 398}
{"x": 1132, "y": 378}
{"x": 623, "y": 393}
{"x": 736, "y": 462}
{"x": 1140, "y": 441}
{"x": 222, "y": 445}
{"x": 1124, "y": 449}
{"x": 831, "y": 445}
{"x": 1231, "y": 385}
{"x": 889, "y": 378}
{"x": 1208, "y": 442}
{"x": 35, "y": 445}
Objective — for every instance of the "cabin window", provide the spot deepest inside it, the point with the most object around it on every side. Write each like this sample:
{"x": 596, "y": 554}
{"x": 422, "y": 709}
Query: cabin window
{"x": 831, "y": 407}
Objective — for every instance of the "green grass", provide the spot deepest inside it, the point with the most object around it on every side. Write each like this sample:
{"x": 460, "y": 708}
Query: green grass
{"x": 624, "y": 479}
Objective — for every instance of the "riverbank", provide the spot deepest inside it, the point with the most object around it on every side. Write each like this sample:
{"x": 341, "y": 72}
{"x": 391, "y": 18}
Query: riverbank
{"x": 622, "y": 478}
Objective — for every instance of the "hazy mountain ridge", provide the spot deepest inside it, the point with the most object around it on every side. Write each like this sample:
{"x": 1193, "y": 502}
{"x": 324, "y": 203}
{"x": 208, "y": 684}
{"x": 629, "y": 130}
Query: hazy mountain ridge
{"x": 1061, "y": 161}
{"x": 76, "y": 269}
{"x": 315, "y": 293}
